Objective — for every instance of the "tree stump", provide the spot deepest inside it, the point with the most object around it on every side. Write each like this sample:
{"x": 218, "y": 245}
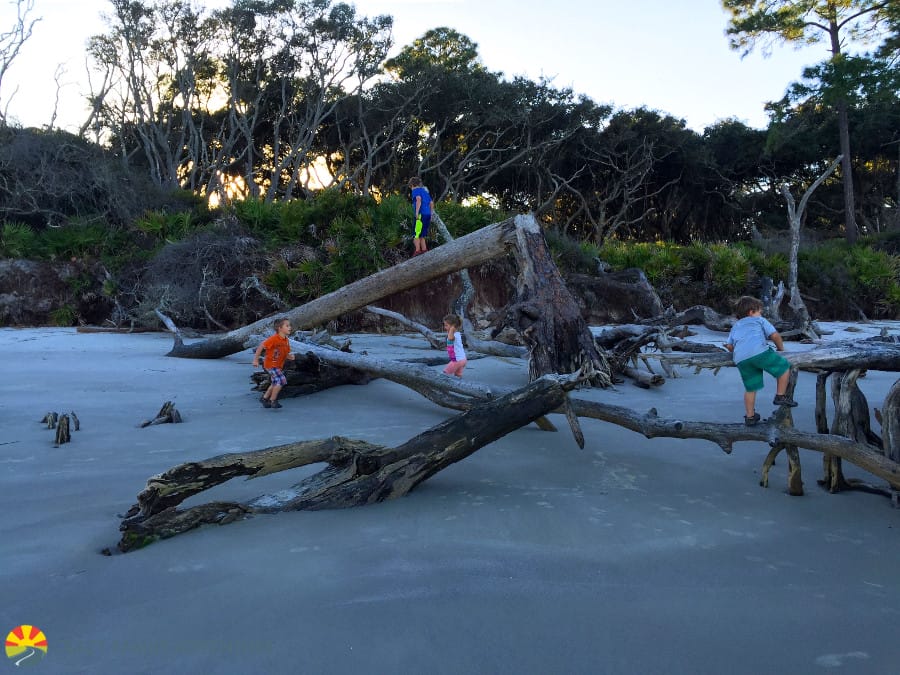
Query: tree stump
{"x": 784, "y": 419}
{"x": 63, "y": 435}
{"x": 167, "y": 414}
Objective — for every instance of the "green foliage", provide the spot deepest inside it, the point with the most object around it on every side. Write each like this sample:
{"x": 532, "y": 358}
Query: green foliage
{"x": 848, "y": 278}
{"x": 461, "y": 220}
{"x": 729, "y": 269}
{"x": 696, "y": 258}
{"x": 163, "y": 226}
{"x": 63, "y": 316}
{"x": 83, "y": 238}
{"x": 285, "y": 280}
{"x": 571, "y": 254}
{"x": 258, "y": 216}
{"x": 773, "y": 265}
{"x": 356, "y": 252}
{"x": 18, "y": 240}
{"x": 79, "y": 283}
{"x": 389, "y": 217}
{"x": 661, "y": 262}
{"x": 875, "y": 276}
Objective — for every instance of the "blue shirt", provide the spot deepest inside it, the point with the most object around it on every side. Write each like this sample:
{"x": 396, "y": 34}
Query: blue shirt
{"x": 750, "y": 337}
{"x": 425, "y": 208}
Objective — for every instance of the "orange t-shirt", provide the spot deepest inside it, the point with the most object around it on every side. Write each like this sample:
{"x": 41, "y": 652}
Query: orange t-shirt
{"x": 277, "y": 349}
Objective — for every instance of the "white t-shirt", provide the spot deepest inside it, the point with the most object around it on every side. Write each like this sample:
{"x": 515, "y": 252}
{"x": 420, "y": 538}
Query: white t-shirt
{"x": 750, "y": 337}
{"x": 455, "y": 348}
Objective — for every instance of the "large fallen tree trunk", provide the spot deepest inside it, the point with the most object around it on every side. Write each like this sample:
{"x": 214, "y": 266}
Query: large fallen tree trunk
{"x": 473, "y": 249}
{"x": 557, "y": 336}
{"x": 358, "y": 473}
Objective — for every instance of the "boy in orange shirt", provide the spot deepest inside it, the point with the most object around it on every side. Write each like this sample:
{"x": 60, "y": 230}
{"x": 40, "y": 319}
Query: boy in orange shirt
{"x": 278, "y": 349}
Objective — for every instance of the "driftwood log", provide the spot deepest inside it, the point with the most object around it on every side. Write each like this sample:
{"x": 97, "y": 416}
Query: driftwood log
{"x": 358, "y": 473}
{"x": 845, "y": 362}
{"x": 362, "y": 473}
{"x": 307, "y": 374}
{"x": 63, "y": 433}
{"x": 553, "y": 329}
{"x": 784, "y": 419}
{"x": 168, "y": 414}
{"x": 64, "y": 424}
{"x": 864, "y": 354}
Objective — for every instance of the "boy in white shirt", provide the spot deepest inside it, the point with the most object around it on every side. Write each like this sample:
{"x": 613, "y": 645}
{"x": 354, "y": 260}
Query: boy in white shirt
{"x": 748, "y": 343}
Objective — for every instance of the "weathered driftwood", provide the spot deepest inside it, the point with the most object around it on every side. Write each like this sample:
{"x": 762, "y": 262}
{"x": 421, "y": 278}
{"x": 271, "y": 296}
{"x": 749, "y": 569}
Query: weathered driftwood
{"x": 461, "y": 307}
{"x": 852, "y": 420}
{"x": 559, "y": 338}
{"x": 358, "y": 473}
{"x": 63, "y": 434}
{"x": 846, "y": 360}
{"x": 466, "y": 394}
{"x": 725, "y": 435}
{"x": 307, "y": 374}
{"x": 473, "y": 249}
{"x": 784, "y": 419}
{"x": 864, "y": 354}
{"x": 446, "y": 391}
{"x": 545, "y": 314}
{"x": 801, "y": 318}
{"x": 64, "y": 425}
{"x": 698, "y": 314}
{"x": 167, "y": 414}
{"x": 439, "y": 340}
{"x": 436, "y": 340}
{"x": 642, "y": 378}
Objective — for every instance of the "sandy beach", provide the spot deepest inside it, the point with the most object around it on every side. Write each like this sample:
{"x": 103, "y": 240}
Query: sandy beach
{"x": 631, "y": 556}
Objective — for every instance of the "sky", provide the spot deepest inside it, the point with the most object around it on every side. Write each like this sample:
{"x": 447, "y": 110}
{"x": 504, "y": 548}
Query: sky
{"x": 668, "y": 56}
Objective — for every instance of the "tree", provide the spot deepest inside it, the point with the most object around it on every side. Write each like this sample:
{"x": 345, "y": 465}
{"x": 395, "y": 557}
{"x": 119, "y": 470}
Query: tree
{"x": 795, "y": 217}
{"x": 209, "y": 100}
{"x": 12, "y": 40}
{"x": 808, "y": 22}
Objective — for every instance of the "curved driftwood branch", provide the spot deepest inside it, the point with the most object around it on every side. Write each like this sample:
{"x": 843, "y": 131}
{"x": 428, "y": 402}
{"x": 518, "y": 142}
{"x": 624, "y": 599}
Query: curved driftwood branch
{"x": 725, "y": 435}
{"x": 436, "y": 340}
{"x": 358, "y": 473}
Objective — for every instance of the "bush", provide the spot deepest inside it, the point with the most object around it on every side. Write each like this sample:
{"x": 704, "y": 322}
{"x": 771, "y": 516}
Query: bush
{"x": 83, "y": 238}
{"x": 729, "y": 270}
{"x": 571, "y": 254}
{"x": 661, "y": 262}
{"x": 462, "y": 220}
{"x": 18, "y": 240}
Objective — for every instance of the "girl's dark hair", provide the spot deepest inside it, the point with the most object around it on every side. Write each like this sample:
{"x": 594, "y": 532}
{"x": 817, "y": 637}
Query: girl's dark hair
{"x": 453, "y": 320}
{"x": 745, "y": 305}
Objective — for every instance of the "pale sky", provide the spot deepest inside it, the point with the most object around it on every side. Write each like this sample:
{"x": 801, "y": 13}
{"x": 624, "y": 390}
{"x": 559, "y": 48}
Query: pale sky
{"x": 668, "y": 55}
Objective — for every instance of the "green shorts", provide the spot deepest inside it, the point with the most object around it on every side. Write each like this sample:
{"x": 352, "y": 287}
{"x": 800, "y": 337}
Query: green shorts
{"x": 752, "y": 369}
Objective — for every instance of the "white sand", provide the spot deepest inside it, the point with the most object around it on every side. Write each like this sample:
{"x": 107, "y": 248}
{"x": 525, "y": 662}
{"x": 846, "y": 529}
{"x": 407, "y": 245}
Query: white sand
{"x": 631, "y": 556}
